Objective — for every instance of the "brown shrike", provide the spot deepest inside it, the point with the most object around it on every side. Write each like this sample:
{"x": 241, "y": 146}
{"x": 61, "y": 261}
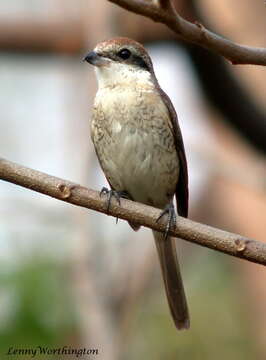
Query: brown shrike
{"x": 140, "y": 148}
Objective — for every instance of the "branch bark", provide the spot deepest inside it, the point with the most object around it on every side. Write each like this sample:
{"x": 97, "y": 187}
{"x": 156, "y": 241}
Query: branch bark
{"x": 228, "y": 243}
{"x": 164, "y": 12}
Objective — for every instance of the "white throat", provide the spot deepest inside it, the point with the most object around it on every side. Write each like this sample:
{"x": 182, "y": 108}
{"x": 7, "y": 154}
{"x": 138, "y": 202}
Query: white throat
{"x": 117, "y": 74}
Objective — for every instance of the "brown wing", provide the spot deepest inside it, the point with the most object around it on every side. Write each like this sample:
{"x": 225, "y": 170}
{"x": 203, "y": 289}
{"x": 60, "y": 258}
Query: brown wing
{"x": 182, "y": 184}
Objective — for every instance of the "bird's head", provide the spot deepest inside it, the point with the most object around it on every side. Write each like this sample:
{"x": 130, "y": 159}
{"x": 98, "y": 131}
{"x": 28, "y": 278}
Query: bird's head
{"x": 121, "y": 60}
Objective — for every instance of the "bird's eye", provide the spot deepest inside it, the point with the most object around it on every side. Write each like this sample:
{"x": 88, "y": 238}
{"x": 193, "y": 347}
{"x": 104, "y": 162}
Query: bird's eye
{"x": 124, "y": 54}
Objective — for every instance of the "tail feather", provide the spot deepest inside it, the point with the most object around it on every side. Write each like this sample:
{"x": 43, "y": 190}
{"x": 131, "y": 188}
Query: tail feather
{"x": 172, "y": 280}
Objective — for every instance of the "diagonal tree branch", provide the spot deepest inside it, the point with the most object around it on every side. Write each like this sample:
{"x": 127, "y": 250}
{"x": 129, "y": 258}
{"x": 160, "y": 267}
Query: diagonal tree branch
{"x": 164, "y": 12}
{"x": 228, "y": 243}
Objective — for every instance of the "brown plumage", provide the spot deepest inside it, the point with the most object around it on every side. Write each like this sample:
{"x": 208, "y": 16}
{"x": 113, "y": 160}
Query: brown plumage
{"x": 139, "y": 145}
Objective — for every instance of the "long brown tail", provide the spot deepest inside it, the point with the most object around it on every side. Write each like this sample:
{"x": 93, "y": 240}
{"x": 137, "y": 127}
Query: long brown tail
{"x": 172, "y": 280}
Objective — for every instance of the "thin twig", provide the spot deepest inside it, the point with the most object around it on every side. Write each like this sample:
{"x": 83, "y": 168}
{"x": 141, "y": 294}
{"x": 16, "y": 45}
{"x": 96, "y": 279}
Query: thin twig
{"x": 231, "y": 244}
{"x": 163, "y": 11}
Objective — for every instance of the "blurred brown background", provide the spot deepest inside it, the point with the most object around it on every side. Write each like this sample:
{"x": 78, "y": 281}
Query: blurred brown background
{"x": 72, "y": 277}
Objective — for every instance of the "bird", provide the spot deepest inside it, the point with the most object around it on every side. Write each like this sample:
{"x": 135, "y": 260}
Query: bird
{"x": 139, "y": 145}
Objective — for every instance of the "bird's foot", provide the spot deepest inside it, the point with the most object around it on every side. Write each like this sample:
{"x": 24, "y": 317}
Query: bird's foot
{"x": 112, "y": 193}
{"x": 169, "y": 210}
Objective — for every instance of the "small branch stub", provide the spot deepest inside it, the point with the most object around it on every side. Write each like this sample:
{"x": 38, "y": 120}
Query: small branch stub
{"x": 202, "y": 29}
{"x": 65, "y": 190}
{"x": 240, "y": 245}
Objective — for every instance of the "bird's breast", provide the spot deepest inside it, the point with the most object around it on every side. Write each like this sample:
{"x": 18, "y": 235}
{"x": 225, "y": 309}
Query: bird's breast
{"x": 135, "y": 144}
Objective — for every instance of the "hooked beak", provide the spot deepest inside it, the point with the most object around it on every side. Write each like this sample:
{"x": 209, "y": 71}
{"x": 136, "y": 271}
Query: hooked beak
{"x": 95, "y": 59}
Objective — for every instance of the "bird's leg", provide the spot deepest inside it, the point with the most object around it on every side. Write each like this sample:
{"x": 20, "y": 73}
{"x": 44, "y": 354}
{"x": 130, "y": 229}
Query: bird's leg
{"x": 112, "y": 193}
{"x": 171, "y": 221}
